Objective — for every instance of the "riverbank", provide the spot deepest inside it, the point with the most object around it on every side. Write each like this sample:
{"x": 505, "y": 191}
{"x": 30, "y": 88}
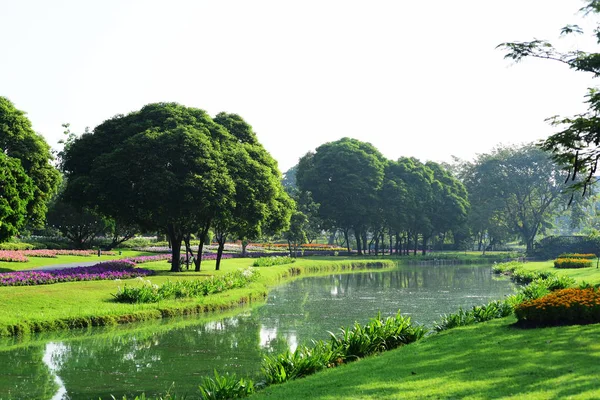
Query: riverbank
{"x": 482, "y": 361}
{"x": 28, "y": 309}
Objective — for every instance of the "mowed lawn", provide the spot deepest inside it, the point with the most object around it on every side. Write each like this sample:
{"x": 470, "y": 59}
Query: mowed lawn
{"x": 589, "y": 275}
{"x": 485, "y": 361}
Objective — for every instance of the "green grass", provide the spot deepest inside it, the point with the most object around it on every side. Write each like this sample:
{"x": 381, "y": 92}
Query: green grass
{"x": 590, "y": 275}
{"x": 482, "y": 361}
{"x": 44, "y": 261}
{"x": 80, "y": 304}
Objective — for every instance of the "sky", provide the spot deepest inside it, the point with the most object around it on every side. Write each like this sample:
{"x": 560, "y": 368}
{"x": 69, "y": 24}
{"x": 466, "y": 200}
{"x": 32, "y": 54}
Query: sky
{"x": 414, "y": 78}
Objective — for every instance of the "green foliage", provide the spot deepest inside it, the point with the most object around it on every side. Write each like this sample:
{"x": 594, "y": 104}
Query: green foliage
{"x": 376, "y": 336}
{"x": 492, "y": 310}
{"x": 302, "y": 362}
{"x": 224, "y": 387}
{"x": 271, "y": 261}
{"x": 357, "y": 342}
{"x": 16, "y": 246}
{"x": 152, "y": 293}
{"x": 572, "y": 263}
{"x": 25, "y": 161}
{"x": 553, "y": 246}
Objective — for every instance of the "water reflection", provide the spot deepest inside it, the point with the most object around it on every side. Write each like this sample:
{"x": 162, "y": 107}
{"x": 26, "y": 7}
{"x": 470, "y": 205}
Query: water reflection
{"x": 156, "y": 355}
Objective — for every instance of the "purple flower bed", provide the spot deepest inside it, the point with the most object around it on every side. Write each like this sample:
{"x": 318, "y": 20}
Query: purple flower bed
{"x": 101, "y": 271}
{"x": 144, "y": 259}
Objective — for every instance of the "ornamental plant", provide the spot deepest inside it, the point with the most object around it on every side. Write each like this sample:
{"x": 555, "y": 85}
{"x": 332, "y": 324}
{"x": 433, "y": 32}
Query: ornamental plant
{"x": 577, "y": 255}
{"x": 572, "y": 263}
{"x": 573, "y": 306}
{"x": 151, "y": 293}
{"x": 101, "y": 271}
{"x": 271, "y": 261}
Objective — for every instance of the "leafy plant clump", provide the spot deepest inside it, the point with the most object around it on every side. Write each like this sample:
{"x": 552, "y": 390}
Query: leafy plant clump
{"x": 151, "y": 293}
{"x": 225, "y": 387}
{"x": 271, "y": 261}
{"x": 573, "y": 306}
{"x": 354, "y": 343}
{"x": 577, "y": 255}
{"x": 101, "y": 271}
{"x": 572, "y": 263}
{"x": 487, "y": 312}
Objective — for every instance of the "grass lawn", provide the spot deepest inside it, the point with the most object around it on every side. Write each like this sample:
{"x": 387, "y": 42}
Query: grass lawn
{"x": 78, "y": 304}
{"x": 43, "y": 261}
{"x": 483, "y": 361}
{"x": 590, "y": 275}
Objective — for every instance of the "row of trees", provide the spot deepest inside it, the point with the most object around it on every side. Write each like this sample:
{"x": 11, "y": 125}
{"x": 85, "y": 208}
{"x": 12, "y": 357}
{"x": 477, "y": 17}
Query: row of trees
{"x": 361, "y": 192}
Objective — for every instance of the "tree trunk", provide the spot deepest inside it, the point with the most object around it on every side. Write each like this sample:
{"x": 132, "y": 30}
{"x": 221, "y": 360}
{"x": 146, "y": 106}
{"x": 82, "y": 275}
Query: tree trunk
{"x": 358, "y": 243}
{"x": 203, "y": 233}
{"x": 365, "y": 242}
{"x": 347, "y": 240}
{"x": 221, "y": 240}
{"x": 188, "y": 250}
{"x": 244, "y": 244}
{"x": 424, "y": 250}
{"x": 290, "y": 247}
{"x": 175, "y": 238}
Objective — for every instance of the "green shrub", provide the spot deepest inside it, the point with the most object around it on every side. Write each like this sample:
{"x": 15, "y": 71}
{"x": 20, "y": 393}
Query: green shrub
{"x": 302, "y": 362}
{"x": 492, "y": 310}
{"x": 16, "y": 246}
{"x": 577, "y": 255}
{"x": 571, "y": 306}
{"x": 151, "y": 293}
{"x": 271, "y": 261}
{"x": 572, "y": 263}
{"x": 225, "y": 387}
{"x": 377, "y": 335}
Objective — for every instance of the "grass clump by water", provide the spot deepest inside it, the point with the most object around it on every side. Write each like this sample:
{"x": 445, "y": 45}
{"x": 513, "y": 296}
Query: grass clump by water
{"x": 271, "y": 261}
{"x": 153, "y": 293}
{"x": 225, "y": 387}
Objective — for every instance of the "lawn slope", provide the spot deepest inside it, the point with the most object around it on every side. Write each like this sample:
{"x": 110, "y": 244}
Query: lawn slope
{"x": 483, "y": 361}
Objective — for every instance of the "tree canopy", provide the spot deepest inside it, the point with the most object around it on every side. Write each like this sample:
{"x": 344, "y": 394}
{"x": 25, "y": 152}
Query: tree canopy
{"x": 25, "y": 162}
{"x": 577, "y": 142}
{"x": 173, "y": 169}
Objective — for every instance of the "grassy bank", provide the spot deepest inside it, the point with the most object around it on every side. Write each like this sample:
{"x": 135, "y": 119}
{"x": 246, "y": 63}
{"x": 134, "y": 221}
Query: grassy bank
{"x": 482, "y": 361}
{"x": 589, "y": 275}
{"x": 41, "y": 308}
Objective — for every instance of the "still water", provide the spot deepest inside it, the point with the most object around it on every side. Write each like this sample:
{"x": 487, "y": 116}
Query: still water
{"x": 153, "y": 357}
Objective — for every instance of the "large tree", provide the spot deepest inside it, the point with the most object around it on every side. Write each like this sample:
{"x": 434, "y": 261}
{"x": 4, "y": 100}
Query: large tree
{"x": 19, "y": 142}
{"x": 17, "y": 192}
{"x": 344, "y": 177}
{"x": 523, "y": 185}
{"x": 577, "y": 142}
{"x": 260, "y": 203}
{"x": 161, "y": 168}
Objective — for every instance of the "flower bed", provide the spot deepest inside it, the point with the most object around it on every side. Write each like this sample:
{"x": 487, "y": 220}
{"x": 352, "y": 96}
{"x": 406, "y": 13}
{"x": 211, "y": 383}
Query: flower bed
{"x": 101, "y": 271}
{"x": 563, "y": 307}
{"x": 12, "y": 256}
{"x": 145, "y": 259}
{"x": 572, "y": 263}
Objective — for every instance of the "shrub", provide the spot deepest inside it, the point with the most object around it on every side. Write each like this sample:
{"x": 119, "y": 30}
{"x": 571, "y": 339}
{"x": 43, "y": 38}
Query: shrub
{"x": 492, "y": 310}
{"x": 16, "y": 246}
{"x": 571, "y": 306}
{"x": 271, "y": 261}
{"x": 151, "y": 293}
{"x": 225, "y": 387}
{"x": 577, "y": 255}
{"x": 572, "y": 263}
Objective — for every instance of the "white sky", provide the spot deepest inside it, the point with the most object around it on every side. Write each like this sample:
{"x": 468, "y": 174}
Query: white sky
{"x": 414, "y": 78}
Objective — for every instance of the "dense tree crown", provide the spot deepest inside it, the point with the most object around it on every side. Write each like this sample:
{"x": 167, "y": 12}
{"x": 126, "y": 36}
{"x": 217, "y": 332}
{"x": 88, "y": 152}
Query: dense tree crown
{"x": 27, "y": 178}
{"x": 173, "y": 169}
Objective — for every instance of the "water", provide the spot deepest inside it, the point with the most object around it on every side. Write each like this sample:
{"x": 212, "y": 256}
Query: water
{"x": 152, "y": 357}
